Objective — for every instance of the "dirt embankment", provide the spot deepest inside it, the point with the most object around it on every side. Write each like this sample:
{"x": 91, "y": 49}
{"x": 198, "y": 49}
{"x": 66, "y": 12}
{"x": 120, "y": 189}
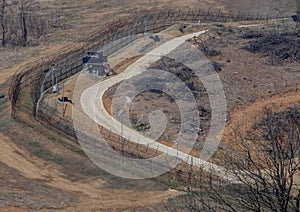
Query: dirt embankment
{"x": 278, "y": 102}
{"x": 34, "y": 168}
{"x": 40, "y": 174}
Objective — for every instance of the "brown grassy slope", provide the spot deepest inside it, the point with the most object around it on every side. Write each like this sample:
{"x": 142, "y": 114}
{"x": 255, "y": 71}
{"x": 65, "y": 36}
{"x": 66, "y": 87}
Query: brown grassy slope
{"x": 272, "y": 7}
{"x": 80, "y": 19}
{"x": 57, "y": 166}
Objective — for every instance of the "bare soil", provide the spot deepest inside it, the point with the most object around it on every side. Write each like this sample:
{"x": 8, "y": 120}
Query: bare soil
{"x": 250, "y": 81}
{"x": 41, "y": 173}
{"x": 38, "y": 173}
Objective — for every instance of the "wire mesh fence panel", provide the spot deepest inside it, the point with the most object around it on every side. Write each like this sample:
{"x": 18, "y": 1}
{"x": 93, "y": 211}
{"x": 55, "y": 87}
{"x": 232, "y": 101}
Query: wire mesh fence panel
{"x": 114, "y": 37}
{"x": 117, "y": 35}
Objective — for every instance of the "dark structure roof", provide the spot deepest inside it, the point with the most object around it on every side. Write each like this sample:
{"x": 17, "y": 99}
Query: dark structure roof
{"x": 94, "y": 57}
{"x": 96, "y": 60}
{"x": 93, "y": 53}
{"x": 296, "y": 18}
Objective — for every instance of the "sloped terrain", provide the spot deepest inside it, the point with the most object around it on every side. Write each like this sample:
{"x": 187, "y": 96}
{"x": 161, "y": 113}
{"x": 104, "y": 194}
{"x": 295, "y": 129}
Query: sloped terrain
{"x": 39, "y": 172}
{"x": 280, "y": 47}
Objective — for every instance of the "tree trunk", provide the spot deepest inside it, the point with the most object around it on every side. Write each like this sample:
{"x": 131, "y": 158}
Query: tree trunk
{"x": 298, "y": 201}
{"x": 2, "y": 15}
{"x": 298, "y": 7}
{"x": 23, "y": 24}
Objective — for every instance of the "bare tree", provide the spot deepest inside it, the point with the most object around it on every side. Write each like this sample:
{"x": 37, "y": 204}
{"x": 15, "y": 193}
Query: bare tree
{"x": 23, "y": 22}
{"x": 26, "y": 7}
{"x": 298, "y": 9}
{"x": 266, "y": 169}
{"x": 2, "y": 21}
{"x": 272, "y": 160}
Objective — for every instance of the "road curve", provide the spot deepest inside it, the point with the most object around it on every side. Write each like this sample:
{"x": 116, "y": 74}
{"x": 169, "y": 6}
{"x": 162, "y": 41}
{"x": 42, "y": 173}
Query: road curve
{"x": 92, "y": 105}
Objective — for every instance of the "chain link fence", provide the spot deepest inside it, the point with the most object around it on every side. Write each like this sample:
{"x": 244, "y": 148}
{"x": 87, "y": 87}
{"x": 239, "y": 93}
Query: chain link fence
{"x": 27, "y": 86}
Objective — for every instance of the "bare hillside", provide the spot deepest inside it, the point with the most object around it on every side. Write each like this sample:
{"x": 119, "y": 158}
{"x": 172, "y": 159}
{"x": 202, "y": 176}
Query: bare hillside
{"x": 47, "y": 172}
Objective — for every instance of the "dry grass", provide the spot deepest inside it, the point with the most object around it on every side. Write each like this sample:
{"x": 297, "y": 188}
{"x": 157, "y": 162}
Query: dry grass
{"x": 81, "y": 19}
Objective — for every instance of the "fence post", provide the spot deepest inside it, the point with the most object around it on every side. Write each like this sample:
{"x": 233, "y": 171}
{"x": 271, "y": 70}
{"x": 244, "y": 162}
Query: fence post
{"x": 122, "y": 146}
{"x": 109, "y": 133}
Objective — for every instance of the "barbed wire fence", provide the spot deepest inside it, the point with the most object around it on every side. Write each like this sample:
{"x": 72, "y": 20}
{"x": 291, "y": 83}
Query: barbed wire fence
{"x": 27, "y": 87}
{"x": 124, "y": 31}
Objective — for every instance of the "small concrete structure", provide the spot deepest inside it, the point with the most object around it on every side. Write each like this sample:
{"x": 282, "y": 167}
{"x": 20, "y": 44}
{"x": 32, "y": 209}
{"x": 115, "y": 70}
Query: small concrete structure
{"x": 95, "y": 62}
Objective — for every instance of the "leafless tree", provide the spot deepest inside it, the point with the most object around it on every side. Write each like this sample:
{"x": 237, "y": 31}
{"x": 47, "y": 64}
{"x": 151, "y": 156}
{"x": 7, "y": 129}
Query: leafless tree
{"x": 2, "y": 21}
{"x": 22, "y": 21}
{"x": 265, "y": 169}
{"x": 298, "y": 9}
{"x": 26, "y": 7}
{"x": 272, "y": 161}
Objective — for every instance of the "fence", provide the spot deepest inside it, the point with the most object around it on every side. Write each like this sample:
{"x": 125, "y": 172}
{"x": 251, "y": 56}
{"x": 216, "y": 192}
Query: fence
{"x": 127, "y": 29}
{"x": 27, "y": 86}
{"x": 184, "y": 173}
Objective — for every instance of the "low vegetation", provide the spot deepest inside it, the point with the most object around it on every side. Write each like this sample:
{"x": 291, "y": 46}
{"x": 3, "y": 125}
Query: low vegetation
{"x": 279, "y": 46}
{"x": 266, "y": 165}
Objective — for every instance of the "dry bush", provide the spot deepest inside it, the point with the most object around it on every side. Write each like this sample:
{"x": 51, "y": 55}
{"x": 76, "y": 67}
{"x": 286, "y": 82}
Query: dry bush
{"x": 266, "y": 168}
